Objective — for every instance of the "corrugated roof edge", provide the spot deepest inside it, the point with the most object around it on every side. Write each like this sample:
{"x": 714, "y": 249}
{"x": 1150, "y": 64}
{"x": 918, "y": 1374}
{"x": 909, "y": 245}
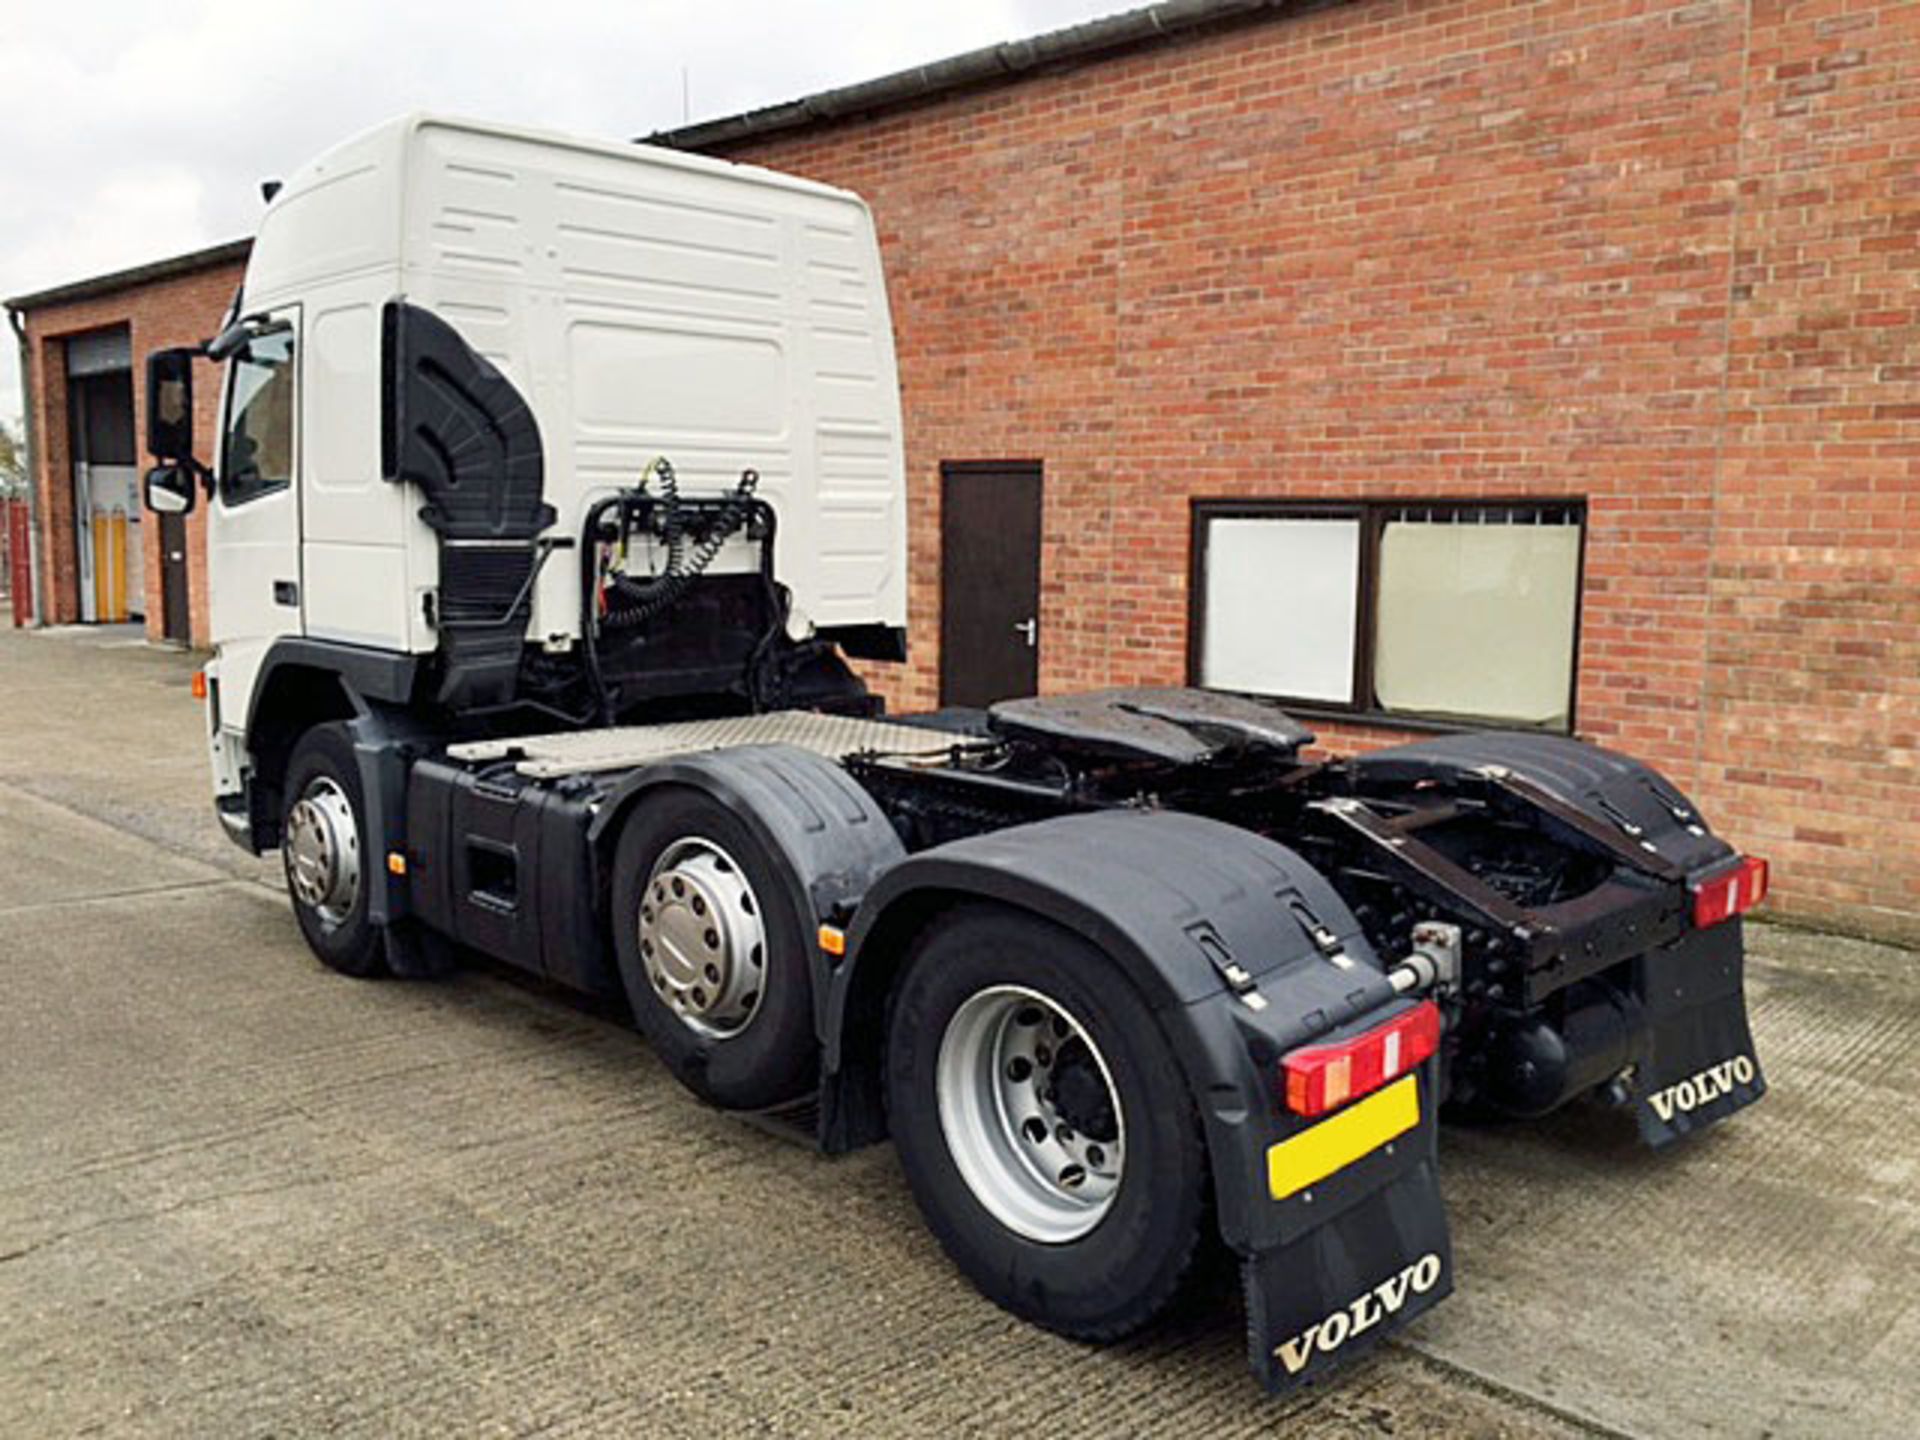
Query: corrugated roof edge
{"x": 990, "y": 65}
{"x": 170, "y": 268}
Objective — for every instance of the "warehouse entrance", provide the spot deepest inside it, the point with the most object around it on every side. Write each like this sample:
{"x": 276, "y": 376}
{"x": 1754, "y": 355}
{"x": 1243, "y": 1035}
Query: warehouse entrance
{"x": 106, "y": 477}
{"x": 989, "y": 581}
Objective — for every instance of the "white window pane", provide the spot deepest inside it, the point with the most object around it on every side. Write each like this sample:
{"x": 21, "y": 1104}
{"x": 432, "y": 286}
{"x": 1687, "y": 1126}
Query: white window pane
{"x": 1279, "y": 611}
{"x": 1477, "y": 620}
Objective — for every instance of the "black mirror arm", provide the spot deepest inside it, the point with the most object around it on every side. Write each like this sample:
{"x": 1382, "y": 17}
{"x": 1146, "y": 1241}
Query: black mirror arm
{"x": 239, "y": 334}
{"x": 229, "y": 340}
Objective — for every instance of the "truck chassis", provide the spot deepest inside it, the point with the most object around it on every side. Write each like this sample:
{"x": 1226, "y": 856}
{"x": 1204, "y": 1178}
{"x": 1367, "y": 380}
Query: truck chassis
{"x": 1128, "y": 981}
{"x": 1150, "y": 877}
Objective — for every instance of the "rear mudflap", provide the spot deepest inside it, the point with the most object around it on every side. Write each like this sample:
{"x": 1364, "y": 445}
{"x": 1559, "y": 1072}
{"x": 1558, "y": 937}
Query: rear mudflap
{"x": 1699, "y": 1063}
{"x": 1337, "y": 1290}
{"x": 1349, "y": 1238}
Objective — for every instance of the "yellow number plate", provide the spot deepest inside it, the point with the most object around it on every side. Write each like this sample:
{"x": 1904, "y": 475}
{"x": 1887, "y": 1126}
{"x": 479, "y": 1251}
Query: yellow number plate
{"x": 1365, "y": 1126}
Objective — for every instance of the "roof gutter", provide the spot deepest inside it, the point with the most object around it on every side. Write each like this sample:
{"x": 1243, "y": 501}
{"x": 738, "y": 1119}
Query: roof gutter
{"x": 172, "y": 266}
{"x": 990, "y": 65}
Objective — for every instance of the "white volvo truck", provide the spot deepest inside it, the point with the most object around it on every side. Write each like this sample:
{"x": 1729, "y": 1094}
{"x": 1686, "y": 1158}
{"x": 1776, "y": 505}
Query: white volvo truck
{"x": 556, "y": 480}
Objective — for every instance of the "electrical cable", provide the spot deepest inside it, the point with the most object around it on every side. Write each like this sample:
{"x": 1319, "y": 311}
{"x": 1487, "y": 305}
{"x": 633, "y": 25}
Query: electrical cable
{"x": 630, "y": 602}
{"x": 612, "y": 601}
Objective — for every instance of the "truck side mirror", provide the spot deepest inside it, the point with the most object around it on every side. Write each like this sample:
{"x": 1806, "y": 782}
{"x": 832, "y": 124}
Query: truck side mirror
{"x": 170, "y": 490}
{"x": 170, "y": 406}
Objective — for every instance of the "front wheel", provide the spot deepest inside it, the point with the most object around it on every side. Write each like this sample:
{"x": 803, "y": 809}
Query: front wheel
{"x": 323, "y": 848}
{"x": 1044, "y": 1125}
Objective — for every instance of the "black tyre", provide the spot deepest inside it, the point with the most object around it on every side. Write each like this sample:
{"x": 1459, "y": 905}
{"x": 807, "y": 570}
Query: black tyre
{"x": 1044, "y": 1125}
{"x": 323, "y": 849}
{"x": 713, "y": 953}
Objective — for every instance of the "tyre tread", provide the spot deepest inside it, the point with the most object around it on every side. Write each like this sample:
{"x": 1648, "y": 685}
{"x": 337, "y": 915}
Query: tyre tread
{"x": 1163, "y": 1268}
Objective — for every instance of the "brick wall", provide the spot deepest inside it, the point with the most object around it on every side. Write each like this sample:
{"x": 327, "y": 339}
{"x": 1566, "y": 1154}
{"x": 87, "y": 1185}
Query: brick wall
{"x": 180, "y": 311}
{"x": 1662, "y": 255}
{"x": 1811, "y": 710}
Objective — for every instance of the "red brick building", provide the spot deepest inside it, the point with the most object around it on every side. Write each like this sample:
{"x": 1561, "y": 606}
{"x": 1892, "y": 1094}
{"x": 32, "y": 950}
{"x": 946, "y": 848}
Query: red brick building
{"x": 1660, "y": 256}
{"x": 1551, "y": 362}
{"x": 82, "y": 346}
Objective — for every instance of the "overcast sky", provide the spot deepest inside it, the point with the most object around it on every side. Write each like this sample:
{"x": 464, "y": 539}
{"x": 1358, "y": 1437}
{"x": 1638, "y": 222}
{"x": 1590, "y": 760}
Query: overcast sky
{"x": 131, "y": 130}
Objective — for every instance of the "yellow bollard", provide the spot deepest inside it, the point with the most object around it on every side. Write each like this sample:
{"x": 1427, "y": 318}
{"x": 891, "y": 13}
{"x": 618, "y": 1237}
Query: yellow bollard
{"x": 99, "y": 529}
{"x": 118, "y": 591}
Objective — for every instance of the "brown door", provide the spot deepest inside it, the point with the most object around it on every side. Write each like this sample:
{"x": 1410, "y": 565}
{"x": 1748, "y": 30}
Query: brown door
{"x": 175, "y": 621}
{"x": 989, "y": 581}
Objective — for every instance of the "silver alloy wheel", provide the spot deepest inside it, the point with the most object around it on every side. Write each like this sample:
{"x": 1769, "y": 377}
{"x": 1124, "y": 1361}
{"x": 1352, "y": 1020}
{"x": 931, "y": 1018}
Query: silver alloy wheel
{"x": 1030, "y": 1114}
{"x": 322, "y": 851}
{"x": 703, "y": 942}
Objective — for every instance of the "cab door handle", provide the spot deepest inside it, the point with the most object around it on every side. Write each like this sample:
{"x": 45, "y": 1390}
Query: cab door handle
{"x": 286, "y": 592}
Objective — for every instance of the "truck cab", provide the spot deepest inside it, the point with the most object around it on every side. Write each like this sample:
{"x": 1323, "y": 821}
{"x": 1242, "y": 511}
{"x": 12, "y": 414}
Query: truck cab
{"x": 635, "y": 302}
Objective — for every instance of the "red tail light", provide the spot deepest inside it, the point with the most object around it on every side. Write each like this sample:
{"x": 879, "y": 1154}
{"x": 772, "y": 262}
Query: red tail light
{"x": 1324, "y": 1077}
{"x": 1734, "y": 893}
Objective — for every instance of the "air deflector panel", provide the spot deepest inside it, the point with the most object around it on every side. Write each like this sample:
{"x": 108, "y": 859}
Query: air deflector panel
{"x": 457, "y": 428}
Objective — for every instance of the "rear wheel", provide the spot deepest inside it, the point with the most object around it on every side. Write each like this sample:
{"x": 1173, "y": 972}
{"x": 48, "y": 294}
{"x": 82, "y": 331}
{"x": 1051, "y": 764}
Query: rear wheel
{"x": 323, "y": 849}
{"x": 1044, "y": 1125}
{"x": 712, "y": 951}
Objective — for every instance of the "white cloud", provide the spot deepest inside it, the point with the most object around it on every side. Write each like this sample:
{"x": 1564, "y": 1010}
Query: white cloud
{"x": 132, "y": 131}
{"x": 111, "y": 224}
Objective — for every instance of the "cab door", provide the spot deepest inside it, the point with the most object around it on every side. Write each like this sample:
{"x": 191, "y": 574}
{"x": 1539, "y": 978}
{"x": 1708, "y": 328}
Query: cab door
{"x": 253, "y": 526}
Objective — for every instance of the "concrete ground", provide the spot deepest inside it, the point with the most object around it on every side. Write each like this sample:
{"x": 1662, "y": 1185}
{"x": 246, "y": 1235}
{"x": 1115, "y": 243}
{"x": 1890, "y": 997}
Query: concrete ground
{"x": 240, "y": 1195}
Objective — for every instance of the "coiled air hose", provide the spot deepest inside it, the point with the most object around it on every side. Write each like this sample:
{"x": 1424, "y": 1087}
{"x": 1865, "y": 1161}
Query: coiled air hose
{"x": 629, "y": 602}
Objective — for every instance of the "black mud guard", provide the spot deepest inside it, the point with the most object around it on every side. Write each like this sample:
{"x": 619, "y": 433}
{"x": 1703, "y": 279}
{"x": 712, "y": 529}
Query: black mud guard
{"x": 386, "y": 741}
{"x": 1216, "y": 927}
{"x": 1362, "y": 1253}
{"x": 1612, "y": 788}
{"x": 1696, "y": 1062}
{"x": 368, "y": 679}
{"x": 801, "y": 806}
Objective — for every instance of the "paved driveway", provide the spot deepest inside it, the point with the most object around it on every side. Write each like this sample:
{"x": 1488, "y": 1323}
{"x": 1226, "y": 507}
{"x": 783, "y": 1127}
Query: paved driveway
{"x": 241, "y": 1195}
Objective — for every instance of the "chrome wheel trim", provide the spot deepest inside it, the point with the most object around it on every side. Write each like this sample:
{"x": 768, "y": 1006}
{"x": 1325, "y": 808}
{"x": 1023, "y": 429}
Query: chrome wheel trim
{"x": 322, "y": 851}
{"x": 1002, "y": 1059}
{"x": 703, "y": 938}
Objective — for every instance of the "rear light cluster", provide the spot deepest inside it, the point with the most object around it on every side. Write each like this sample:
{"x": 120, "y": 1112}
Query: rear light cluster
{"x": 1320, "y": 1078}
{"x": 1734, "y": 893}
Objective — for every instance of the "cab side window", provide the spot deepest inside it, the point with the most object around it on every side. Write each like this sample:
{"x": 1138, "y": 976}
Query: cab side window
{"x": 257, "y": 456}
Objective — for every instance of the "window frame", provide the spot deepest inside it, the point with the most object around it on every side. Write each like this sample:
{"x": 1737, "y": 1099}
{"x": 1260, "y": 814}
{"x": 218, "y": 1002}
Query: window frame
{"x": 1373, "y": 514}
{"x": 284, "y": 323}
